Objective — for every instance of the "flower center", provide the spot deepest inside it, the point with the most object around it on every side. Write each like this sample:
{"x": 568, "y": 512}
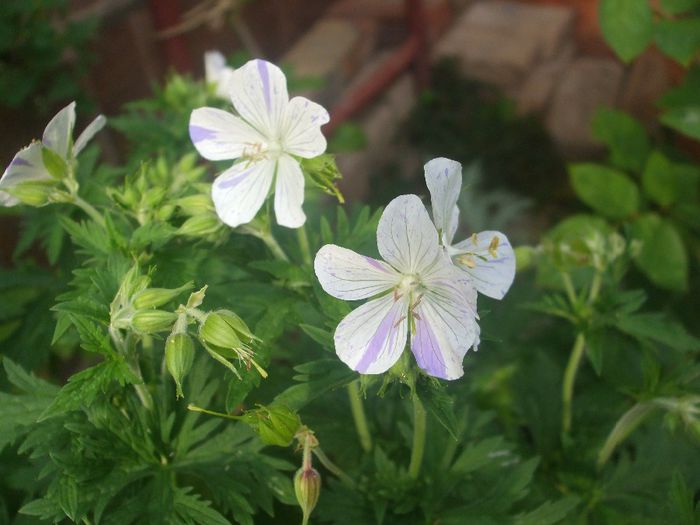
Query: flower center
{"x": 259, "y": 151}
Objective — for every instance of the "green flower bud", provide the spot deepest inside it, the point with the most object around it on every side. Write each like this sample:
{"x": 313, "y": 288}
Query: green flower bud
{"x": 217, "y": 332}
{"x": 155, "y": 297}
{"x": 165, "y": 212}
{"x": 237, "y": 324}
{"x": 276, "y": 425}
{"x": 152, "y": 321}
{"x": 179, "y": 355}
{"x": 200, "y": 225}
{"x": 33, "y": 193}
{"x": 195, "y": 205}
{"x": 307, "y": 487}
{"x": 154, "y": 196}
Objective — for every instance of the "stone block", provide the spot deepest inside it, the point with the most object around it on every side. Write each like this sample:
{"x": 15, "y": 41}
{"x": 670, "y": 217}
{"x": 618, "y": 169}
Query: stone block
{"x": 585, "y": 85}
{"x": 646, "y": 80}
{"x": 537, "y": 90}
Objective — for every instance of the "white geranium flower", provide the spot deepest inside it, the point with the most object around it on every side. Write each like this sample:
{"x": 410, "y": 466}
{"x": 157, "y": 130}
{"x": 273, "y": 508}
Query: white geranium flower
{"x": 487, "y": 257}
{"x": 417, "y": 288}
{"x": 28, "y": 164}
{"x": 270, "y": 131}
{"x": 217, "y": 72}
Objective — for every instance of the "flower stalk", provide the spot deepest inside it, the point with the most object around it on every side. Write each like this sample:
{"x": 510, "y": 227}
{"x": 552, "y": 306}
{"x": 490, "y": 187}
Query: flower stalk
{"x": 359, "y": 417}
{"x": 419, "y": 432}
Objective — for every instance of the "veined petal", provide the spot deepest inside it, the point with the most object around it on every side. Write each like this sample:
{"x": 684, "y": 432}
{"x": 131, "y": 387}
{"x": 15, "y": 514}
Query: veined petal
{"x": 259, "y": 94}
{"x": 303, "y": 121}
{"x": 90, "y": 131}
{"x": 27, "y": 165}
{"x": 59, "y": 131}
{"x": 289, "y": 193}
{"x": 348, "y": 275}
{"x": 445, "y": 325}
{"x": 444, "y": 180}
{"x": 219, "y": 135}
{"x": 239, "y": 192}
{"x": 372, "y": 337}
{"x": 218, "y": 73}
{"x": 489, "y": 260}
{"x": 405, "y": 236}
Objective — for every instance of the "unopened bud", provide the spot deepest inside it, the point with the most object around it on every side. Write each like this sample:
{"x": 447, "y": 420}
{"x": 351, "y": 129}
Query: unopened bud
{"x": 32, "y": 193}
{"x": 307, "y": 487}
{"x": 195, "y": 205}
{"x": 179, "y": 355}
{"x": 199, "y": 226}
{"x": 155, "y": 297}
{"x": 276, "y": 425}
{"x": 165, "y": 212}
{"x": 152, "y": 321}
{"x": 216, "y": 331}
{"x": 235, "y": 322}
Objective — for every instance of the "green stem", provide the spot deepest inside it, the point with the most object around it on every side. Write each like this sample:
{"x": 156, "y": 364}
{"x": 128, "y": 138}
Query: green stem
{"x": 359, "y": 417}
{"x": 195, "y": 408}
{"x": 419, "y": 429}
{"x": 89, "y": 209}
{"x": 569, "y": 287}
{"x": 304, "y": 245}
{"x": 569, "y": 380}
{"x": 274, "y": 246}
{"x": 333, "y": 468}
{"x": 595, "y": 287}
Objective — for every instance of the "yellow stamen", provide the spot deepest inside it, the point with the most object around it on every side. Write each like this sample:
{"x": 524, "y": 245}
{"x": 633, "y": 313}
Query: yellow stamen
{"x": 493, "y": 246}
{"x": 474, "y": 239}
{"x": 466, "y": 260}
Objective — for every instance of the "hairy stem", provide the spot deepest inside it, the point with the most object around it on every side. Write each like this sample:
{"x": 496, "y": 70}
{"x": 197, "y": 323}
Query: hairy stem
{"x": 419, "y": 429}
{"x": 359, "y": 417}
{"x": 274, "y": 246}
{"x": 89, "y": 209}
{"x": 304, "y": 245}
{"x": 333, "y": 468}
{"x": 569, "y": 381}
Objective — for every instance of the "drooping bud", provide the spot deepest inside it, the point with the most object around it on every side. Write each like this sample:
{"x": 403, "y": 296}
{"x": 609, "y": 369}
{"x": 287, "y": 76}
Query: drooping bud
{"x": 199, "y": 226}
{"x": 237, "y": 324}
{"x": 155, "y": 297}
{"x": 307, "y": 487}
{"x": 179, "y": 355}
{"x": 152, "y": 321}
{"x": 217, "y": 332}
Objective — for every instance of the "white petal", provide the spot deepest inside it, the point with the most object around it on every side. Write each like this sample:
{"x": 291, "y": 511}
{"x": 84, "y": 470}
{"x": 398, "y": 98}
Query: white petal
{"x": 445, "y": 324}
{"x": 214, "y": 64}
{"x": 444, "y": 179}
{"x": 372, "y": 337}
{"x": 302, "y": 129}
{"x": 90, "y": 131}
{"x": 348, "y": 275}
{"x": 239, "y": 192}
{"x": 59, "y": 131}
{"x": 259, "y": 94}
{"x": 289, "y": 193}
{"x": 219, "y": 135}
{"x": 405, "y": 236}
{"x": 491, "y": 275}
{"x": 27, "y": 165}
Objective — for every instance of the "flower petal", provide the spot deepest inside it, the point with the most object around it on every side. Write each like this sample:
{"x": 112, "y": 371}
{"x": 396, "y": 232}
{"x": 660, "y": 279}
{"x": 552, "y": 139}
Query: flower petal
{"x": 217, "y": 72}
{"x": 372, "y": 337}
{"x": 59, "y": 131}
{"x": 444, "y": 179}
{"x": 259, "y": 94}
{"x": 239, "y": 192}
{"x": 27, "y": 165}
{"x": 445, "y": 324}
{"x": 303, "y": 121}
{"x": 90, "y": 131}
{"x": 289, "y": 193}
{"x": 405, "y": 236}
{"x": 348, "y": 275}
{"x": 219, "y": 135}
{"x": 491, "y": 275}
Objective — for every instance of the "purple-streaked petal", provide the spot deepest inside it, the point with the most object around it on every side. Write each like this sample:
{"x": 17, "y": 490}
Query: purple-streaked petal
{"x": 27, "y": 165}
{"x": 219, "y": 135}
{"x": 289, "y": 193}
{"x": 90, "y": 131}
{"x": 491, "y": 275}
{"x": 239, "y": 192}
{"x": 445, "y": 323}
{"x": 348, "y": 275}
{"x": 371, "y": 338}
{"x": 444, "y": 179}
{"x": 59, "y": 131}
{"x": 259, "y": 94}
{"x": 406, "y": 237}
{"x": 302, "y": 128}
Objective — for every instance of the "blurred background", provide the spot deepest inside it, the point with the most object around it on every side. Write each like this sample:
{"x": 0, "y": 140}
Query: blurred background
{"x": 507, "y": 86}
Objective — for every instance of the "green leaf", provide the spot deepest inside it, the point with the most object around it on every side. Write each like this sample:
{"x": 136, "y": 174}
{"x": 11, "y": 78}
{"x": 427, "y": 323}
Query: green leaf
{"x": 606, "y": 190}
{"x": 627, "y": 26}
{"x": 439, "y": 403}
{"x": 684, "y": 119}
{"x": 679, "y": 6}
{"x": 679, "y": 39}
{"x": 192, "y": 509}
{"x": 548, "y": 513}
{"x": 663, "y": 257}
{"x": 476, "y": 455}
{"x": 321, "y": 336}
{"x": 682, "y": 501}
{"x": 624, "y": 136}
{"x": 659, "y": 328}
{"x": 659, "y": 179}
{"x": 318, "y": 378}
{"x": 596, "y": 342}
